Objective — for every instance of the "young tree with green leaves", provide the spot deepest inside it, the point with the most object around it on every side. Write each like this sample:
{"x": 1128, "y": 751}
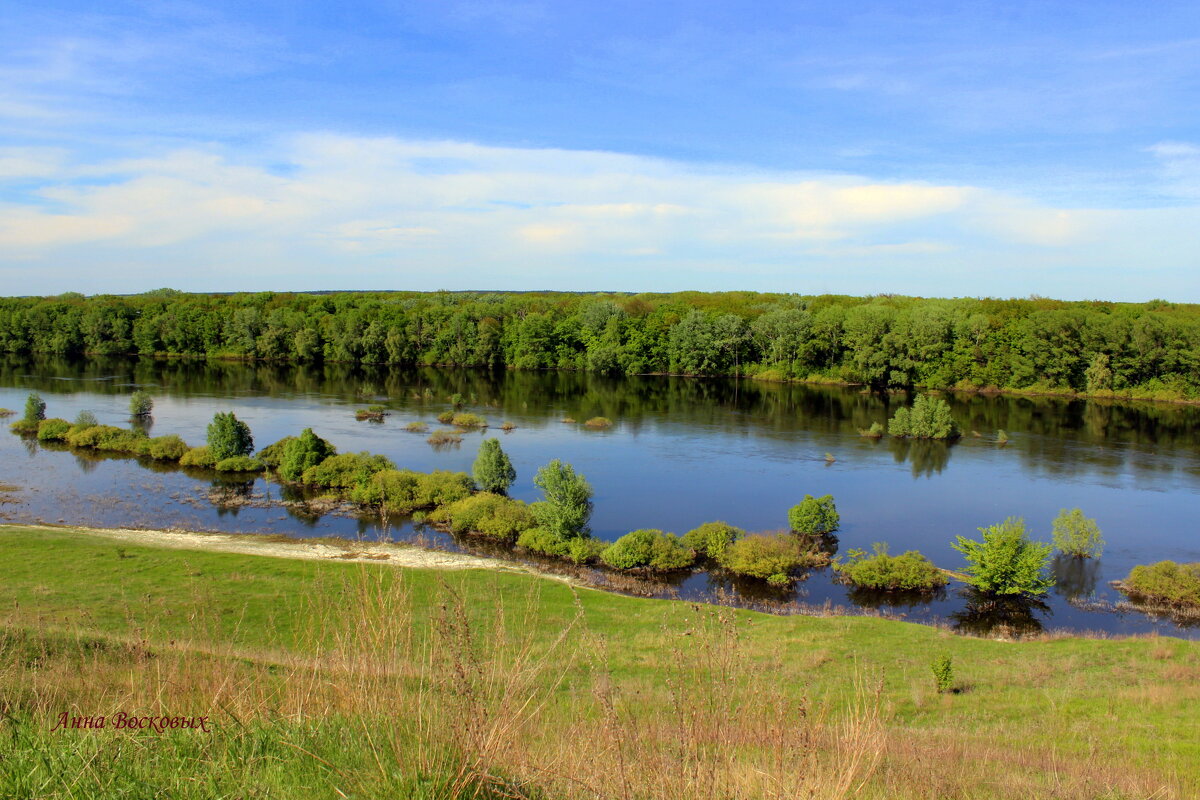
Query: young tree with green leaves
{"x": 306, "y": 450}
{"x": 814, "y": 516}
{"x": 141, "y": 404}
{"x": 228, "y": 436}
{"x": 1006, "y": 562}
{"x": 493, "y": 470}
{"x": 567, "y": 506}
{"x": 35, "y": 408}
{"x": 1076, "y": 535}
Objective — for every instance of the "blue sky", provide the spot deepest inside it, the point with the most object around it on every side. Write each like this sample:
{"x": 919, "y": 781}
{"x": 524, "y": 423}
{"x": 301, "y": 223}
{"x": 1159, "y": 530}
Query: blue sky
{"x": 950, "y": 149}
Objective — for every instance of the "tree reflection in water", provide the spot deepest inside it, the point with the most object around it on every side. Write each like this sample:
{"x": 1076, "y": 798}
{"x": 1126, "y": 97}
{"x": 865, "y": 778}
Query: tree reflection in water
{"x": 1075, "y": 576}
{"x": 928, "y": 457}
{"x": 1011, "y": 615}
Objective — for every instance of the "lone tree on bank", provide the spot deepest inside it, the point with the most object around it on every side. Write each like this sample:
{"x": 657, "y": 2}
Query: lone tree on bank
{"x": 568, "y": 505}
{"x": 228, "y": 436}
{"x": 493, "y": 470}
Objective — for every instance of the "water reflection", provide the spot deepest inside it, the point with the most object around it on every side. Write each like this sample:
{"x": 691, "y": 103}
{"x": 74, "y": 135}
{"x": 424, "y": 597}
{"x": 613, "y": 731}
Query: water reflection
{"x": 1075, "y": 577}
{"x": 927, "y": 457}
{"x": 1005, "y": 615}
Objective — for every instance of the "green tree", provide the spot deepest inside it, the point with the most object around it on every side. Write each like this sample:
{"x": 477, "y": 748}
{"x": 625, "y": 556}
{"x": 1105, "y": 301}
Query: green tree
{"x": 493, "y": 470}
{"x": 1098, "y": 375}
{"x": 929, "y": 418}
{"x": 814, "y": 516}
{"x": 567, "y": 506}
{"x": 228, "y": 436}
{"x": 1006, "y": 562}
{"x": 141, "y": 404}
{"x": 1077, "y": 535}
{"x": 35, "y": 408}
{"x": 306, "y": 450}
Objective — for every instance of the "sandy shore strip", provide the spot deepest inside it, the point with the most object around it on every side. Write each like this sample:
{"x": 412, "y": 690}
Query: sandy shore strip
{"x": 401, "y": 555}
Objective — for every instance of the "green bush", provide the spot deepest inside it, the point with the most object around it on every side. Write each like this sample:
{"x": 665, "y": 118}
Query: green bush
{"x": 943, "y": 673}
{"x": 929, "y": 418}
{"x": 567, "y": 506}
{"x": 1165, "y": 583}
{"x": 110, "y": 438}
{"x": 874, "y": 432}
{"x": 140, "y": 404}
{"x": 814, "y": 516}
{"x": 908, "y": 572}
{"x": 768, "y": 556}
{"x": 167, "y": 448}
{"x": 84, "y": 419}
{"x": 544, "y": 541}
{"x": 228, "y": 436}
{"x": 35, "y": 408}
{"x": 6, "y": 412}
{"x": 584, "y": 549}
{"x": 403, "y": 491}
{"x": 346, "y": 470}
{"x": 648, "y": 549}
{"x": 303, "y": 453}
{"x": 198, "y": 457}
{"x": 467, "y": 420}
{"x": 416, "y": 427}
{"x": 712, "y": 538}
{"x": 25, "y": 426}
{"x": 53, "y": 430}
{"x": 445, "y": 417}
{"x": 240, "y": 464}
{"x": 493, "y": 470}
{"x": 272, "y": 454}
{"x": 598, "y": 422}
{"x": 1076, "y": 535}
{"x": 1006, "y": 561}
{"x": 489, "y": 514}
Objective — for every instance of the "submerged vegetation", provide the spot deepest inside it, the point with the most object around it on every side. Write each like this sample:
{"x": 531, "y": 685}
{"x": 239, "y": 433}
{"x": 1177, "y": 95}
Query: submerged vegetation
{"x": 908, "y": 572}
{"x": 1076, "y": 535}
{"x": 1006, "y": 561}
{"x": 928, "y": 418}
{"x": 1167, "y": 584}
{"x": 1137, "y": 350}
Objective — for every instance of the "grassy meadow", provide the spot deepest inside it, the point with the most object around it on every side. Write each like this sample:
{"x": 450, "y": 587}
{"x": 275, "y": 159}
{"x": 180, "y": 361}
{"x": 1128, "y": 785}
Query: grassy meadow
{"x": 324, "y": 679}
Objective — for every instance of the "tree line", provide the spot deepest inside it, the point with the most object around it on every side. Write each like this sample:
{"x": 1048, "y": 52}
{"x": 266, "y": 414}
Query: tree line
{"x": 1149, "y": 350}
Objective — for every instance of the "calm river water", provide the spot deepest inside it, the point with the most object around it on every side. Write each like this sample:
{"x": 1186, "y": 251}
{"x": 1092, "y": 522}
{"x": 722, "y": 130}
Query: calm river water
{"x": 681, "y": 452}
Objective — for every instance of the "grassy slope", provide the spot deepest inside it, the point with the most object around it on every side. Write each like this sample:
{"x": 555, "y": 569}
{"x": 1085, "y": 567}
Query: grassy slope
{"x": 1123, "y": 703}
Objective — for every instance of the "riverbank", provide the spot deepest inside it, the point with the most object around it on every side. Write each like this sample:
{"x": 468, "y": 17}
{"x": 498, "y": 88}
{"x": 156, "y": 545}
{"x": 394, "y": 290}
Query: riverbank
{"x": 331, "y": 676}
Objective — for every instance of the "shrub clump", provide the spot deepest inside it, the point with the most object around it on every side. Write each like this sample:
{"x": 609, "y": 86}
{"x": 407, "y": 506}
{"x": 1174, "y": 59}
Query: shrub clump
{"x": 874, "y": 432}
{"x": 929, "y": 418}
{"x": 240, "y": 464}
{"x": 438, "y": 438}
{"x": 445, "y": 417}
{"x": 347, "y": 470}
{"x": 35, "y": 412}
{"x": 712, "y": 538}
{"x": 403, "y": 491}
{"x": 908, "y": 572}
{"x": 1006, "y": 561}
{"x": 492, "y": 515}
{"x": 598, "y": 422}
{"x": 814, "y": 516}
{"x": 416, "y": 427}
{"x": 493, "y": 470}
{"x": 302, "y": 454}
{"x": 771, "y": 557}
{"x": 272, "y": 454}
{"x": 53, "y": 430}
{"x": 466, "y": 419}
{"x": 374, "y": 413}
{"x": 228, "y": 436}
{"x": 167, "y": 448}
{"x": 110, "y": 438}
{"x": 648, "y": 549}
{"x": 1166, "y": 583}
{"x": 1076, "y": 535}
{"x": 198, "y": 457}
{"x": 141, "y": 404}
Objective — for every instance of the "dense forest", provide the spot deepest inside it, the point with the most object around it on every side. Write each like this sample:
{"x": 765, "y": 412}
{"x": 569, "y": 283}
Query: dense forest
{"x": 886, "y": 342}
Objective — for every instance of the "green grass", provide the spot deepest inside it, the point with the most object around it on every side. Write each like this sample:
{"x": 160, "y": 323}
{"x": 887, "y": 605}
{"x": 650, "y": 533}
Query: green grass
{"x": 1094, "y": 704}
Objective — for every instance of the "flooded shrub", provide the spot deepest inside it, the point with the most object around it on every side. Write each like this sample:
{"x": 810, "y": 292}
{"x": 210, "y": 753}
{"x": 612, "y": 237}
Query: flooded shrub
{"x": 53, "y": 430}
{"x": 814, "y": 516}
{"x": 240, "y": 464}
{"x": 874, "y": 432}
{"x": 302, "y": 454}
{"x": 402, "y": 491}
{"x": 1001, "y": 437}
{"x": 769, "y": 557}
{"x": 648, "y": 549}
{"x": 272, "y": 454}
{"x": 444, "y": 437}
{"x": 8, "y": 412}
{"x": 568, "y": 420}
{"x": 198, "y": 457}
{"x": 110, "y": 438}
{"x": 929, "y": 418}
{"x": 910, "y": 571}
{"x": 416, "y": 427}
{"x": 492, "y": 515}
{"x": 508, "y": 426}
{"x": 1074, "y": 534}
{"x": 468, "y": 420}
{"x": 84, "y": 419}
{"x": 35, "y": 408}
{"x": 376, "y": 413}
{"x": 346, "y": 470}
{"x": 228, "y": 436}
{"x": 584, "y": 549}
{"x": 1006, "y": 562}
{"x": 943, "y": 673}
{"x": 567, "y": 506}
{"x": 25, "y": 426}
{"x": 445, "y": 417}
{"x": 493, "y": 470}
{"x": 598, "y": 422}
{"x": 1166, "y": 583}
{"x": 140, "y": 404}
{"x": 544, "y": 541}
{"x": 712, "y": 538}
{"x": 167, "y": 448}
